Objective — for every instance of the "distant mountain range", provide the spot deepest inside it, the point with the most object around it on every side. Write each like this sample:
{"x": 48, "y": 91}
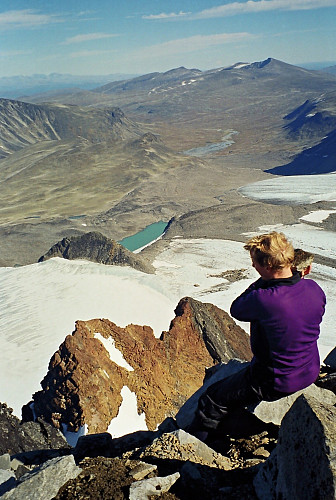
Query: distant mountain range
{"x": 18, "y": 86}
{"x": 330, "y": 69}
{"x": 222, "y": 98}
{"x": 12, "y": 87}
{"x": 112, "y": 155}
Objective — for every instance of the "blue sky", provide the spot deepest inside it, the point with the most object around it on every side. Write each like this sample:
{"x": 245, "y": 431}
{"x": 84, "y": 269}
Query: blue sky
{"x": 110, "y": 36}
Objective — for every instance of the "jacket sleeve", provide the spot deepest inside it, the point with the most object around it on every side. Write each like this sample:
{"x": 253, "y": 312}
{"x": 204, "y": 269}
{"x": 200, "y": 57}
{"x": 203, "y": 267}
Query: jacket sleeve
{"x": 247, "y": 306}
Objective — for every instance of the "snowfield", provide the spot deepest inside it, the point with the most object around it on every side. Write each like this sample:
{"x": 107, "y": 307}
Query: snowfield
{"x": 293, "y": 189}
{"x": 41, "y": 302}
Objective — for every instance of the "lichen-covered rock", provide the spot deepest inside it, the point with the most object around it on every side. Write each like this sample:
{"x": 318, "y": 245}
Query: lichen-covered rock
{"x": 303, "y": 464}
{"x": 83, "y": 384}
{"x": 179, "y": 445}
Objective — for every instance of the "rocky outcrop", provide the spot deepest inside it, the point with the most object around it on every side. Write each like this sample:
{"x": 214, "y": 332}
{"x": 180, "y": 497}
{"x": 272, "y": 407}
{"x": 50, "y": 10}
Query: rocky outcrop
{"x": 219, "y": 331}
{"x": 87, "y": 374}
{"x": 303, "y": 465}
{"x": 296, "y": 462}
{"x": 96, "y": 247}
{"x": 17, "y": 437}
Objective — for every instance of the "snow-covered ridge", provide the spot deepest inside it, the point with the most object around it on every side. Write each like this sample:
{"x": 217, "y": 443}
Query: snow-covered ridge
{"x": 41, "y": 302}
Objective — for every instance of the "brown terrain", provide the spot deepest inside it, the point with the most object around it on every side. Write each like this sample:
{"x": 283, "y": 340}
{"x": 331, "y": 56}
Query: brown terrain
{"x": 80, "y": 164}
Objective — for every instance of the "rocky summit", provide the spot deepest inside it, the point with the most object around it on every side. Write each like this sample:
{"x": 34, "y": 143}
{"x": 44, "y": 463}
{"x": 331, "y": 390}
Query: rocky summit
{"x": 84, "y": 381}
{"x": 291, "y": 459}
{"x": 96, "y": 247}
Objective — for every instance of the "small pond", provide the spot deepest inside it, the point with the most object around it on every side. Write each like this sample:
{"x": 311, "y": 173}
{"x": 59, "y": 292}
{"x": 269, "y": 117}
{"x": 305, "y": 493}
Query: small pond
{"x": 144, "y": 237}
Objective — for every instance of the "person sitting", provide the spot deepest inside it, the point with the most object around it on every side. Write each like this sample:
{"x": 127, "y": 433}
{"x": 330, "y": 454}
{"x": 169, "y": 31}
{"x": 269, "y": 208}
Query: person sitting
{"x": 285, "y": 313}
{"x": 302, "y": 261}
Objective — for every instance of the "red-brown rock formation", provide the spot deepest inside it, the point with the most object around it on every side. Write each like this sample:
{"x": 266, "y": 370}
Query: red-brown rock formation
{"x": 83, "y": 384}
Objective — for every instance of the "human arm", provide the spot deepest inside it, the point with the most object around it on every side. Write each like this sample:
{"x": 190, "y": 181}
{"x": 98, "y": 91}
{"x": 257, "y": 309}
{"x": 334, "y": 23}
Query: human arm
{"x": 247, "y": 306}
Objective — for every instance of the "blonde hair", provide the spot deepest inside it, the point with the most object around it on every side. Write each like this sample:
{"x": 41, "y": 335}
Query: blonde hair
{"x": 302, "y": 259}
{"x": 271, "y": 250}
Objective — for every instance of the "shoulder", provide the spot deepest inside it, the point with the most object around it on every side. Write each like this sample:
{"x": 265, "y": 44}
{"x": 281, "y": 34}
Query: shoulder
{"x": 310, "y": 284}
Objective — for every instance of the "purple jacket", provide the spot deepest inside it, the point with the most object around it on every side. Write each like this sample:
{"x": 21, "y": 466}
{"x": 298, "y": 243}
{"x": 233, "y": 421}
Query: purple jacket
{"x": 285, "y": 316}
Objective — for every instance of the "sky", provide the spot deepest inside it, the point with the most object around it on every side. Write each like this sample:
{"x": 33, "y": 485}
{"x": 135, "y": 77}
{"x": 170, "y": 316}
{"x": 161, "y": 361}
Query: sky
{"x": 83, "y": 37}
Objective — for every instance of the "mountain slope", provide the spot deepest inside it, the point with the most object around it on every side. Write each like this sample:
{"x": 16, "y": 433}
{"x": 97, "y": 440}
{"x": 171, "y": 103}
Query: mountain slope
{"x": 313, "y": 119}
{"x": 22, "y": 124}
{"x": 147, "y": 82}
{"x": 66, "y": 161}
{"x": 319, "y": 159}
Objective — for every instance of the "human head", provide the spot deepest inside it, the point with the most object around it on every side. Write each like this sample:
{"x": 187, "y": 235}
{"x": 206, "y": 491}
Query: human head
{"x": 271, "y": 250}
{"x": 302, "y": 261}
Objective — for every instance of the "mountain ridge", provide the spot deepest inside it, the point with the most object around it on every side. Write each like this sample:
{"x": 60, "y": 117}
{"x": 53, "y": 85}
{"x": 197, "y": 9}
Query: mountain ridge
{"x": 23, "y": 123}
{"x": 95, "y": 247}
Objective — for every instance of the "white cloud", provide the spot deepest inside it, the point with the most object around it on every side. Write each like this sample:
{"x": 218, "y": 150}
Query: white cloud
{"x": 197, "y": 42}
{"x": 251, "y": 6}
{"x": 89, "y": 53}
{"x": 163, "y": 15}
{"x": 88, "y": 37}
{"x": 25, "y": 19}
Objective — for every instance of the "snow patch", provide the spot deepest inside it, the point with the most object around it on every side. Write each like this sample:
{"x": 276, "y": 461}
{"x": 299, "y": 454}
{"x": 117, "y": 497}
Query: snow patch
{"x": 128, "y": 420}
{"x": 317, "y": 216}
{"x": 72, "y": 437}
{"x": 115, "y": 355}
{"x": 294, "y": 189}
{"x": 242, "y": 65}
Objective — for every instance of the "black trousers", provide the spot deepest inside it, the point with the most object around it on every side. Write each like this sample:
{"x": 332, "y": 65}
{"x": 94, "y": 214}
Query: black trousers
{"x": 246, "y": 387}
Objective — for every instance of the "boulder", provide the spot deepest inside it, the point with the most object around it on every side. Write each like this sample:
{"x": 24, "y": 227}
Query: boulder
{"x": 93, "y": 445}
{"x": 274, "y": 411}
{"x": 5, "y": 461}
{"x": 142, "y": 470}
{"x": 155, "y": 486}
{"x": 179, "y": 445}
{"x": 44, "y": 482}
{"x": 7, "y": 480}
{"x": 303, "y": 464}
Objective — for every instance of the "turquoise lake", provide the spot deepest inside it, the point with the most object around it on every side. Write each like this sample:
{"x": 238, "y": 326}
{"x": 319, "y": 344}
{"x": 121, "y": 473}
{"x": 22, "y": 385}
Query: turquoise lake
{"x": 142, "y": 238}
